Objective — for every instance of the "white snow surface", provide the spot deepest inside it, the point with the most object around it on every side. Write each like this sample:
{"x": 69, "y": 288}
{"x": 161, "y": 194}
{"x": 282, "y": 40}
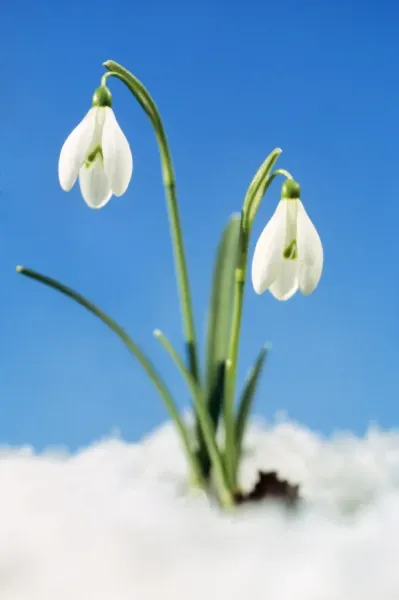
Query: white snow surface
{"x": 115, "y": 521}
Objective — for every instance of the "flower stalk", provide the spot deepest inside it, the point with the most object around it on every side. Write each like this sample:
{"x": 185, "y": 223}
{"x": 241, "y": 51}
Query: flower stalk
{"x": 256, "y": 192}
{"x": 145, "y": 100}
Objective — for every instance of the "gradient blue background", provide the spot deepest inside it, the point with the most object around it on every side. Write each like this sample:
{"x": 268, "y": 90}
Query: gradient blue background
{"x": 233, "y": 80}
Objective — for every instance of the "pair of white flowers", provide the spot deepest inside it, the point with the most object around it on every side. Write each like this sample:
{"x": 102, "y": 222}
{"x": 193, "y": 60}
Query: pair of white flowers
{"x": 288, "y": 255}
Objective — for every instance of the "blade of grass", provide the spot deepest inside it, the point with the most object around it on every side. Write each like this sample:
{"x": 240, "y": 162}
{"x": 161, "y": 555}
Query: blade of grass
{"x": 219, "y": 321}
{"x": 256, "y": 189}
{"x": 246, "y": 401}
{"x": 205, "y": 422}
{"x": 136, "y": 351}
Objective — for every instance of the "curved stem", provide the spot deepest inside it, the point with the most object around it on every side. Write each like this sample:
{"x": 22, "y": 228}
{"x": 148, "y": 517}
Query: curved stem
{"x": 259, "y": 193}
{"x": 145, "y": 100}
{"x": 104, "y": 79}
{"x": 256, "y": 192}
{"x": 137, "y": 352}
{"x": 205, "y": 421}
{"x": 283, "y": 172}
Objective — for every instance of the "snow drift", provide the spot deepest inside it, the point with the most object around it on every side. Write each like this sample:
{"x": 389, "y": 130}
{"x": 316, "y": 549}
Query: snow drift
{"x": 115, "y": 522}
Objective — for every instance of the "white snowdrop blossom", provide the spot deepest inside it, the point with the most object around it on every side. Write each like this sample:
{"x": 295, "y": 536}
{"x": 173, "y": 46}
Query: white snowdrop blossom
{"x": 288, "y": 255}
{"x": 98, "y": 151}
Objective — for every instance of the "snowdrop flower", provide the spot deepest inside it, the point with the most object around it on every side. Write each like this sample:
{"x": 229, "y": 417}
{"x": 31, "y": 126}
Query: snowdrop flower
{"x": 97, "y": 151}
{"x": 289, "y": 253}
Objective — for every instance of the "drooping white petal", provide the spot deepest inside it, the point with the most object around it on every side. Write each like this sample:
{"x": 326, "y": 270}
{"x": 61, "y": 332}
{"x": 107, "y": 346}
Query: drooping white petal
{"x": 99, "y": 119}
{"x": 310, "y": 253}
{"x": 94, "y": 184}
{"x": 290, "y": 219}
{"x": 286, "y": 283}
{"x": 74, "y": 150}
{"x": 118, "y": 160}
{"x": 268, "y": 251}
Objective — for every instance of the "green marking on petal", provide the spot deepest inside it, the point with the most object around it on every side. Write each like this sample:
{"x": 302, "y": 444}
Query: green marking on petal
{"x": 92, "y": 156}
{"x": 290, "y": 252}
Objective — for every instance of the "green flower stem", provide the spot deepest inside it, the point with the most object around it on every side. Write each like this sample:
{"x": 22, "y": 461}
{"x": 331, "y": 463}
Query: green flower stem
{"x": 141, "y": 357}
{"x": 256, "y": 192}
{"x": 145, "y": 100}
{"x": 282, "y": 172}
{"x": 232, "y": 361}
{"x": 205, "y": 421}
{"x": 260, "y": 191}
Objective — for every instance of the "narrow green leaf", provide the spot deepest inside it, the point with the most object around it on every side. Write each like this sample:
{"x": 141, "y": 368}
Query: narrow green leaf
{"x": 218, "y": 329}
{"x": 257, "y": 188}
{"x": 204, "y": 418}
{"x": 220, "y": 309}
{"x": 136, "y": 351}
{"x": 213, "y": 406}
{"x": 247, "y": 398}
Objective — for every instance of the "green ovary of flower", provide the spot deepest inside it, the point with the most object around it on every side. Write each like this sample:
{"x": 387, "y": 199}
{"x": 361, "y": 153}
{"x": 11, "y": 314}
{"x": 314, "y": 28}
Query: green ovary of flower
{"x": 290, "y": 252}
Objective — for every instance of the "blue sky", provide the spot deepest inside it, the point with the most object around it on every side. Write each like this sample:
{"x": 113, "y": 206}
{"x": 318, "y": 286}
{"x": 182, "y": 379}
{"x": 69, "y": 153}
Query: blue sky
{"x": 233, "y": 80}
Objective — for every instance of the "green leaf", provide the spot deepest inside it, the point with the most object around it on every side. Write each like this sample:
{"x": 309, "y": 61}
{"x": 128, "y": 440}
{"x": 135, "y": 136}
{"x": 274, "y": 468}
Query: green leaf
{"x": 205, "y": 421}
{"x": 247, "y": 398}
{"x": 136, "y": 351}
{"x": 257, "y": 188}
{"x": 219, "y": 322}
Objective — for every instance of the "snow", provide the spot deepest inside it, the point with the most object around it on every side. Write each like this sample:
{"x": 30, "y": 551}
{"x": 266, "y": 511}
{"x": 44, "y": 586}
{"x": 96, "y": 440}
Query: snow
{"x": 115, "y": 522}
